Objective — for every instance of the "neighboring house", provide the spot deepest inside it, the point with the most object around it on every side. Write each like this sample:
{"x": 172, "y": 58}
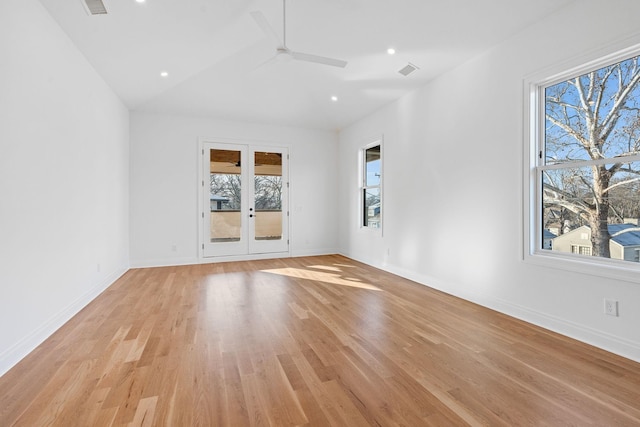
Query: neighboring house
{"x": 217, "y": 201}
{"x": 374, "y": 216}
{"x": 624, "y": 243}
{"x": 547, "y": 239}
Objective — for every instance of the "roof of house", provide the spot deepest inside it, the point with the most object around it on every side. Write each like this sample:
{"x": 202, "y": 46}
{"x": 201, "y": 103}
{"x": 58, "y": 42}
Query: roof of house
{"x": 546, "y": 234}
{"x": 217, "y": 198}
{"x": 623, "y": 234}
{"x": 631, "y": 237}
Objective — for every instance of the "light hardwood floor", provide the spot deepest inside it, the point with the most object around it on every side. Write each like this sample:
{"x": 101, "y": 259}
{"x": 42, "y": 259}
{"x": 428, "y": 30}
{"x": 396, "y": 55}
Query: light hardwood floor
{"x": 308, "y": 341}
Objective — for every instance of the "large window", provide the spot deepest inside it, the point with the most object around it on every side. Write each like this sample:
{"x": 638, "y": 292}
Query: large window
{"x": 585, "y": 136}
{"x": 371, "y": 189}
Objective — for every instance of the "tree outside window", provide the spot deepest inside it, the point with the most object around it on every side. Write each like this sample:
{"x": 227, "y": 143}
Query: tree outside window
{"x": 589, "y": 158}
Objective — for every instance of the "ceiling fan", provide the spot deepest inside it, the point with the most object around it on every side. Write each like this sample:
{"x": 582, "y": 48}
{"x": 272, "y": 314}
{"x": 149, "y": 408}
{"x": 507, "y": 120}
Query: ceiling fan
{"x": 282, "y": 51}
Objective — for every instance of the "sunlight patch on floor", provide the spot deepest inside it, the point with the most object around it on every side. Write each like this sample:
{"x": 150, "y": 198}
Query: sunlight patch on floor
{"x": 334, "y": 279}
{"x": 325, "y": 267}
{"x": 345, "y": 265}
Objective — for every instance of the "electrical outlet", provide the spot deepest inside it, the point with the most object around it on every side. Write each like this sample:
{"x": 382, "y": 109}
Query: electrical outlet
{"x": 174, "y": 248}
{"x": 611, "y": 307}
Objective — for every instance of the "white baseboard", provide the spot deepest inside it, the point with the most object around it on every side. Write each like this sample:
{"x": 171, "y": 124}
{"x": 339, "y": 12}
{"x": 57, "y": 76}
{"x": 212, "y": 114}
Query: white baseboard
{"x": 164, "y": 262}
{"x": 14, "y": 354}
{"x": 617, "y": 345}
{"x": 313, "y": 252}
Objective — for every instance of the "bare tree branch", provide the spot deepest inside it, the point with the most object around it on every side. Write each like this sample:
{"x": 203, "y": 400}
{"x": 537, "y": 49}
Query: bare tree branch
{"x": 618, "y": 184}
{"x": 583, "y": 141}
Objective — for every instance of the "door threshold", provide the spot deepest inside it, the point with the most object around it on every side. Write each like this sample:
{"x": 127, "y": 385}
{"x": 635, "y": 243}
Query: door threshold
{"x": 244, "y": 257}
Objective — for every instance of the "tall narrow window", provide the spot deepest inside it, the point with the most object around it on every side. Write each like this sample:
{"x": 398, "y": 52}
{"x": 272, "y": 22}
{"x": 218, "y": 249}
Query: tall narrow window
{"x": 371, "y": 188}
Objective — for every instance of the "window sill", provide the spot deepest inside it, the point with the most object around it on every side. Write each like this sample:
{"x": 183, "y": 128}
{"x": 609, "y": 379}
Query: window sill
{"x": 371, "y": 230}
{"x": 612, "y": 269}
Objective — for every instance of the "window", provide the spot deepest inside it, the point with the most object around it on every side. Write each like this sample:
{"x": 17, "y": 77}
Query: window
{"x": 371, "y": 190}
{"x": 585, "y": 161}
{"x": 581, "y": 250}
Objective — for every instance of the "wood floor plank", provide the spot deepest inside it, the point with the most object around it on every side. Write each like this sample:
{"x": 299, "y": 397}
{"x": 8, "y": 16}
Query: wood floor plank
{"x": 145, "y": 412}
{"x": 311, "y": 341}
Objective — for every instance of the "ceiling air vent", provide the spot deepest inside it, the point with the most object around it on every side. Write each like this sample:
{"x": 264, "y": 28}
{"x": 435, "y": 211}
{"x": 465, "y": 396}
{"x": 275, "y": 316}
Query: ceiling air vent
{"x": 408, "y": 69}
{"x": 94, "y": 7}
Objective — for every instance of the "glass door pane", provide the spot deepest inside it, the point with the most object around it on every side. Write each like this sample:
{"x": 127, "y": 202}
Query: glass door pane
{"x": 225, "y": 198}
{"x": 268, "y": 233}
{"x": 225, "y": 192}
{"x": 268, "y": 195}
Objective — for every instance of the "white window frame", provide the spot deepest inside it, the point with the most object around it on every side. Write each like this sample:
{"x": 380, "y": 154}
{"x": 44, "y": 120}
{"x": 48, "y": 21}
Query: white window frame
{"x": 363, "y": 181}
{"x": 533, "y": 127}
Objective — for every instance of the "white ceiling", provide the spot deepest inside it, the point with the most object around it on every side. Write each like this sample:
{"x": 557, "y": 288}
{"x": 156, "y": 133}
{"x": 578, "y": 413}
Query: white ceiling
{"x": 213, "y": 50}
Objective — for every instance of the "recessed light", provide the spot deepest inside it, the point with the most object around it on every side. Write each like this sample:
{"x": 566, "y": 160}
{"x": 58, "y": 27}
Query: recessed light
{"x": 334, "y": 98}
{"x": 164, "y": 74}
{"x": 391, "y": 51}
{"x": 139, "y": 1}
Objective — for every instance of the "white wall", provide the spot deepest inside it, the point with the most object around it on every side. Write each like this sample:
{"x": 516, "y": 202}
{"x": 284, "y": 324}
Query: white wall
{"x": 164, "y": 190}
{"x": 453, "y": 184}
{"x": 63, "y": 180}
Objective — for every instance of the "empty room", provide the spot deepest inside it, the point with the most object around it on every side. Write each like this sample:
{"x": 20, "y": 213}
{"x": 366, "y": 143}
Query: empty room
{"x": 319, "y": 212}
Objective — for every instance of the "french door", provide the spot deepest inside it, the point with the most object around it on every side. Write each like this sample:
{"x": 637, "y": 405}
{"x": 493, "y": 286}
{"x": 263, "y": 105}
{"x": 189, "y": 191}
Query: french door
{"x": 244, "y": 199}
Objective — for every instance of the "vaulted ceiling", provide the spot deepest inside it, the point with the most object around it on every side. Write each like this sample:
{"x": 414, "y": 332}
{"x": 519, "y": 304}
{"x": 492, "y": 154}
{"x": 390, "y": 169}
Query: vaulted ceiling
{"x": 214, "y": 52}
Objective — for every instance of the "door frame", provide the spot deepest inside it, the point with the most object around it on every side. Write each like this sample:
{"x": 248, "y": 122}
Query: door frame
{"x": 251, "y": 146}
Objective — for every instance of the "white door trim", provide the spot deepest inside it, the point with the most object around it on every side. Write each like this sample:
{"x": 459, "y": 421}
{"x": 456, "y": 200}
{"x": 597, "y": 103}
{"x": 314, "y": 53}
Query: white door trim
{"x": 263, "y": 250}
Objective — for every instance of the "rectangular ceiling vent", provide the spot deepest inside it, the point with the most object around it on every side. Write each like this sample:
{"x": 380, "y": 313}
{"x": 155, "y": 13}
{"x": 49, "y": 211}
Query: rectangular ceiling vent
{"x": 408, "y": 69}
{"x": 94, "y": 7}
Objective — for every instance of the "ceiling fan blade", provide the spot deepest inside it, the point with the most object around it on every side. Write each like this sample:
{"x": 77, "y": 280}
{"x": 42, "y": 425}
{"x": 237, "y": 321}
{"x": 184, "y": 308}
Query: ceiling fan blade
{"x": 318, "y": 59}
{"x": 267, "y": 29}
